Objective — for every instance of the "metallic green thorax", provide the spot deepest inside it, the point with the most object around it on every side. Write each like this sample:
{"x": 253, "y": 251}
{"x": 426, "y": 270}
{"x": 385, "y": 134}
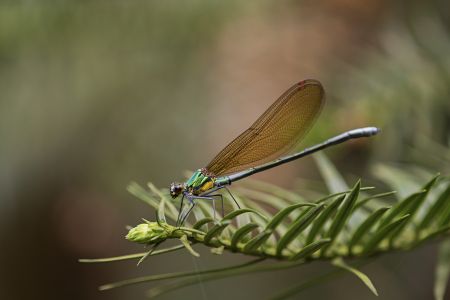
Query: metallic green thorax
{"x": 199, "y": 182}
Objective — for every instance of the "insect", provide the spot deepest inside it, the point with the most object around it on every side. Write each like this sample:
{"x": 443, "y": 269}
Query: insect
{"x": 263, "y": 146}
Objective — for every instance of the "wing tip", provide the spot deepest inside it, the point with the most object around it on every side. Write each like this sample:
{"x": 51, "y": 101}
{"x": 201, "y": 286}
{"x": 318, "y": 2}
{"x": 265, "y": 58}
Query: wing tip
{"x": 309, "y": 82}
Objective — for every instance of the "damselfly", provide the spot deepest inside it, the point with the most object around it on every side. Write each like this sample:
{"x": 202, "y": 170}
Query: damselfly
{"x": 263, "y": 146}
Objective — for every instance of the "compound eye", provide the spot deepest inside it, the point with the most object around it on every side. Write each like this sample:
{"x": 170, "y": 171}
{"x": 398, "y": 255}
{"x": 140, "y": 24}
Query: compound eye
{"x": 175, "y": 189}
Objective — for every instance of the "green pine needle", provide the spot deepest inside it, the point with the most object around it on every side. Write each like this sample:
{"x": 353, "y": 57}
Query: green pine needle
{"x": 282, "y": 226}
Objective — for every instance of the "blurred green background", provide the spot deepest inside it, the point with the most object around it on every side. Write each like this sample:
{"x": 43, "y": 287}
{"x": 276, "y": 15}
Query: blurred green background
{"x": 95, "y": 94}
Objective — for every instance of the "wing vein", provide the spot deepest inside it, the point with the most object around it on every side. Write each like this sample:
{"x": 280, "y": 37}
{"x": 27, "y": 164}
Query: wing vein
{"x": 279, "y": 129}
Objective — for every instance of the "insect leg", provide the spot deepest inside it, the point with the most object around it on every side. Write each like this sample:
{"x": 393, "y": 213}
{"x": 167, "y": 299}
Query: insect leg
{"x": 219, "y": 188}
{"x": 221, "y": 200}
{"x": 232, "y": 196}
{"x": 208, "y": 196}
{"x": 179, "y": 212}
{"x": 187, "y": 213}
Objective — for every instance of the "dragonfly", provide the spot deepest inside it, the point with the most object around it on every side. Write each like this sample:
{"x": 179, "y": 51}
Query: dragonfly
{"x": 264, "y": 145}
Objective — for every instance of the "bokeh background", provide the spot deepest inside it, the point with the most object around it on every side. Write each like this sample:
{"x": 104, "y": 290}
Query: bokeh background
{"x": 95, "y": 94}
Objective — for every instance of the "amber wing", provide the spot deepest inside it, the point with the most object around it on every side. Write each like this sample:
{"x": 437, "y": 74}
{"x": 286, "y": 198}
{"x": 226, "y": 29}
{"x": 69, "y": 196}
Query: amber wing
{"x": 276, "y": 132}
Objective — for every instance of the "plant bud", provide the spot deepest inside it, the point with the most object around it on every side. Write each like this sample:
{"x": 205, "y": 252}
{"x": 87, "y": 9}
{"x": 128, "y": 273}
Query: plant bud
{"x": 146, "y": 233}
